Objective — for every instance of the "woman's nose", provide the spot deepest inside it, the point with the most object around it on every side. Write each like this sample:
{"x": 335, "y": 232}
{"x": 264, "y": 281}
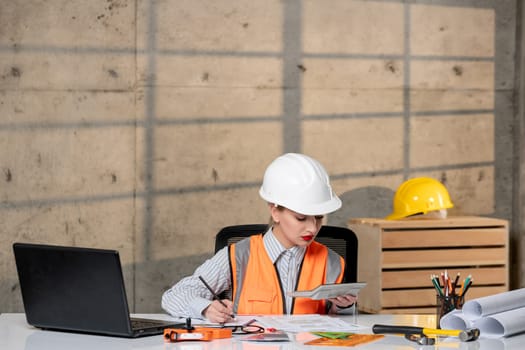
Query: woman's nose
{"x": 312, "y": 222}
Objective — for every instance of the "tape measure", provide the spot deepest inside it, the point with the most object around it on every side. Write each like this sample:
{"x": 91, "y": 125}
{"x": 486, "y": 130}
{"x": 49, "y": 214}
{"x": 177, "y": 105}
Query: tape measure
{"x": 197, "y": 333}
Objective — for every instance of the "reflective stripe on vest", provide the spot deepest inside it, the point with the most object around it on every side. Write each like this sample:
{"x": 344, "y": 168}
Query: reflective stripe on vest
{"x": 256, "y": 285}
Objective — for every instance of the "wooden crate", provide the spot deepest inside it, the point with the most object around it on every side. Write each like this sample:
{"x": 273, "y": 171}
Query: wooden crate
{"x": 396, "y": 259}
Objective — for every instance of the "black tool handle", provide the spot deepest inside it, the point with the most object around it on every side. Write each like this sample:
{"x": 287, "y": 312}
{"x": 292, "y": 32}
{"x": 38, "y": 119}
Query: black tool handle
{"x": 383, "y": 328}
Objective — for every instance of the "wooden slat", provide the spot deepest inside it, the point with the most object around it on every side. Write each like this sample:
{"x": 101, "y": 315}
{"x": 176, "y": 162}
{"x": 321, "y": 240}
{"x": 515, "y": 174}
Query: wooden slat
{"x": 427, "y": 297}
{"x": 451, "y": 221}
{"x": 369, "y": 263}
{"x": 421, "y": 278}
{"x": 404, "y": 311}
{"x": 444, "y": 257}
{"x": 399, "y": 256}
{"x": 444, "y": 238}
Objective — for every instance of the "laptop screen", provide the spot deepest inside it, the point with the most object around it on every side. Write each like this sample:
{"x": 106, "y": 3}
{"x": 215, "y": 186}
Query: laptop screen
{"x": 71, "y": 288}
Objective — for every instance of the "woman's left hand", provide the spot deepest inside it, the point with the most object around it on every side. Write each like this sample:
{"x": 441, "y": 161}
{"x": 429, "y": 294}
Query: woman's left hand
{"x": 342, "y": 302}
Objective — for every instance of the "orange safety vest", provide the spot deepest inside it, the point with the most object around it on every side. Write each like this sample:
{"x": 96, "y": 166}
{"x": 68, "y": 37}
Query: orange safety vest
{"x": 256, "y": 287}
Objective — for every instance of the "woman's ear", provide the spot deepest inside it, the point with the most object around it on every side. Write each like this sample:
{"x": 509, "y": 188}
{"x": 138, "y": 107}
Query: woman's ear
{"x": 274, "y": 212}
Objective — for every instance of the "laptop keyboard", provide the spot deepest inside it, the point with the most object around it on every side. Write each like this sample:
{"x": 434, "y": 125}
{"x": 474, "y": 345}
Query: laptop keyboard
{"x": 140, "y": 323}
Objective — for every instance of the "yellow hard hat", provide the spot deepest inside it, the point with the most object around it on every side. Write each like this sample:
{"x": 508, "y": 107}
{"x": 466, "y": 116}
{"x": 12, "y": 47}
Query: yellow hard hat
{"x": 419, "y": 196}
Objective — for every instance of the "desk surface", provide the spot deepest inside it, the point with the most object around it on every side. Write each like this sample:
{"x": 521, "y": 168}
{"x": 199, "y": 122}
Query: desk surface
{"x": 16, "y": 334}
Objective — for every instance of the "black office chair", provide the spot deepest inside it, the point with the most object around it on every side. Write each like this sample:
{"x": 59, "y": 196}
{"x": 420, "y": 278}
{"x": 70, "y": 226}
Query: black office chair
{"x": 340, "y": 239}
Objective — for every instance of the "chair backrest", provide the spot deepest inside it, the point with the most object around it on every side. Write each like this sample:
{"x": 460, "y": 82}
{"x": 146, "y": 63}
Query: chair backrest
{"x": 340, "y": 239}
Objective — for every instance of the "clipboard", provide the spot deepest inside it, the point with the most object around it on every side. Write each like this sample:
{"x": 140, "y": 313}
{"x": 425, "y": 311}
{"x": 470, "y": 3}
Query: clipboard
{"x": 326, "y": 291}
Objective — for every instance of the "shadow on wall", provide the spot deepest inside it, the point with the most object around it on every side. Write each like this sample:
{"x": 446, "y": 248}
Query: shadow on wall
{"x": 144, "y": 290}
{"x": 146, "y": 281}
{"x": 154, "y": 277}
{"x": 364, "y": 202}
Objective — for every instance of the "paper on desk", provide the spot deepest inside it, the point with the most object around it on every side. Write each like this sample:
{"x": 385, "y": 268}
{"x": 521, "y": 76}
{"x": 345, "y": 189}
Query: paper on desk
{"x": 307, "y": 323}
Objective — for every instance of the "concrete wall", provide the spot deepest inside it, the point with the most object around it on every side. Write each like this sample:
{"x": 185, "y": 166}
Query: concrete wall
{"x": 145, "y": 126}
{"x": 518, "y": 219}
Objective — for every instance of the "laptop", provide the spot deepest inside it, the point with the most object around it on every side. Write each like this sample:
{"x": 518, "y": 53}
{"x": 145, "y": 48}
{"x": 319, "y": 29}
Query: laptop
{"x": 79, "y": 290}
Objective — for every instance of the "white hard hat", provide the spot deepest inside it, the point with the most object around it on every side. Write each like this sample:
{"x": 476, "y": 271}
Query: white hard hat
{"x": 299, "y": 183}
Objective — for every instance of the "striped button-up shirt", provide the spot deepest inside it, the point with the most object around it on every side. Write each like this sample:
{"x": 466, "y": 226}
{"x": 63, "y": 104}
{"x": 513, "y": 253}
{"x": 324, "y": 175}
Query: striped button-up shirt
{"x": 189, "y": 297}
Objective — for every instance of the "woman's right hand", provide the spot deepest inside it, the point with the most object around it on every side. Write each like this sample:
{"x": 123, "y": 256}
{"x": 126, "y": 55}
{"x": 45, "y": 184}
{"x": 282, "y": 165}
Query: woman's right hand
{"x": 218, "y": 313}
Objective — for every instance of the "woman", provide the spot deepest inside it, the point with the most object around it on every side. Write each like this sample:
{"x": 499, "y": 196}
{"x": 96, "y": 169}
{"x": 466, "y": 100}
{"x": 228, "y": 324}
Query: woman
{"x": 261, "y": 271}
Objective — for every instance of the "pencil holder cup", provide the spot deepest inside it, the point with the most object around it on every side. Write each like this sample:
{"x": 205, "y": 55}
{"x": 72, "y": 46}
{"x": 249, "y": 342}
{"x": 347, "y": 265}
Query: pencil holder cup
{"x": 445, "y": 304}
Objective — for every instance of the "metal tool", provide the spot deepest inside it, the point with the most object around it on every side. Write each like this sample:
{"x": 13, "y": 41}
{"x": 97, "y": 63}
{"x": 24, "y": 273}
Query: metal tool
{"x": 463, "y": 335}
{"x": 420, "y": 339}
{"x": 190, "y": 333}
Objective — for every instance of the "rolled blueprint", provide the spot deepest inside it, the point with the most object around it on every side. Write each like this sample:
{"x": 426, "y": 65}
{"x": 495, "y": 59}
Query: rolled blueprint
{"x": 502, "y": 324}
{"x": 496, "y": 316}
{"x": 480, "y": 307}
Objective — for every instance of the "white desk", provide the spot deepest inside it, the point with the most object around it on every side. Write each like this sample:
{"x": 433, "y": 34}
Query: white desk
{"x": 16, "y": 334}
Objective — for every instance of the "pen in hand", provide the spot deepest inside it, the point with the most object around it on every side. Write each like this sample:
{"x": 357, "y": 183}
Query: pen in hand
{"x": 215, "y": 296}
